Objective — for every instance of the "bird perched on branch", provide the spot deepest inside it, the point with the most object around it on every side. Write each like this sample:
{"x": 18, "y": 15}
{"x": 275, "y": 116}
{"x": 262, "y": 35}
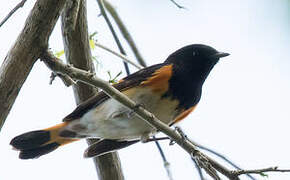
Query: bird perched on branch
{"x": 170, "y": 90}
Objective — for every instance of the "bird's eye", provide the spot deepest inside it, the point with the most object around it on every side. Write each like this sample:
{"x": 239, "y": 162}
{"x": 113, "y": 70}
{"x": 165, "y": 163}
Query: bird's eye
{"x": 194, "y": 53}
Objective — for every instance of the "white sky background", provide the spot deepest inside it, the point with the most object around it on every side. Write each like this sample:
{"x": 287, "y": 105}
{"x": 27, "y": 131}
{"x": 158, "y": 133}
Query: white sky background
{"x": 244, "y": 111}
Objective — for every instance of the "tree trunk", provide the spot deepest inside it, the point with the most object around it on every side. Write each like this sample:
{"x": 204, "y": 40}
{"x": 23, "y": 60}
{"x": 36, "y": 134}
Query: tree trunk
{"x": 77, "y": 51}
{"x": 26, "y": 50}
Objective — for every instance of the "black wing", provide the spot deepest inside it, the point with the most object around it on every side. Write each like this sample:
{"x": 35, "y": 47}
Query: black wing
{"x": 130, "y": 81}
{"x": 105, "y": 146}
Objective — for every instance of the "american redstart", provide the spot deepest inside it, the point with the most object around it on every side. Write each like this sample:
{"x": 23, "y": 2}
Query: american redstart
{"x": 170, "y": 90}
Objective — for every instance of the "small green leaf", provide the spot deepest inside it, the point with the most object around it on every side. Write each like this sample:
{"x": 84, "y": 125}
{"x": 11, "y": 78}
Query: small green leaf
{"x": 59, "y": 53}
{"x": 264, "y": 175}
{"x": 92, "y": 44}
{"x": 115, "y": 79}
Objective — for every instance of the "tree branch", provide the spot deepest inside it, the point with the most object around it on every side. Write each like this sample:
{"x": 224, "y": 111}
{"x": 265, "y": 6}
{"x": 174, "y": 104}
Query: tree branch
{"x": 177, "y": 5}
{"x": 19, "y": 5}
{"x": 220, "y": 156}
{"x": 198, "y": 169}
{"x": 76, "y": 45}
{"x": 259, "y": 171}
{"x": 166, "y": 164}
{"x": 25, "y": 51}
{"x": 70, "y": 15}
{"x": 124, "y": 58}
{"x": 77, "y": 51}
{"x": 121, "y": 49}
{"x": 125, "y": 32}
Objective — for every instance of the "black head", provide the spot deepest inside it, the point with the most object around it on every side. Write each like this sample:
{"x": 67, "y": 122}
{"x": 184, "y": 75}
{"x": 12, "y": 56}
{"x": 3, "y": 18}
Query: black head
{"x": 191, "y": 66}
{"x": 195, "y": 61}
{"x": 195, "y": 54}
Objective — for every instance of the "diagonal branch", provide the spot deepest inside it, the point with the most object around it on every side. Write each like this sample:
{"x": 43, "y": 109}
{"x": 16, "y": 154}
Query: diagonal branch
{"x": 117, "y": 40}
{"x": 19, "y": 5}
{"x": 259, "y": 171}
{"x": 124, "y": 32}
{"x": 177, "y": 5}
{"x": 198, "y": 169}
{"x": 25, "y": 52}
{"x": 123, "y": 57}
{"x": 87, "y": 77}
{"x": 220, "y": 156}
{"x": 208, "y": 164}
{"x": 166, "y": 164}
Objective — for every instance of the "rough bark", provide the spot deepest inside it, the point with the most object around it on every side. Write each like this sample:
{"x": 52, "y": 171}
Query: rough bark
{"x": 76, "y": 46}
{"x": 25, "y": 51}
{"x": 77, "y": 50}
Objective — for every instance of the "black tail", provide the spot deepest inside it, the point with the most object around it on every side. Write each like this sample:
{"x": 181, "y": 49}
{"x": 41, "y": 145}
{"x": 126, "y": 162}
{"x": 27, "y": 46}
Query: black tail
{"x": 37, "y": 143}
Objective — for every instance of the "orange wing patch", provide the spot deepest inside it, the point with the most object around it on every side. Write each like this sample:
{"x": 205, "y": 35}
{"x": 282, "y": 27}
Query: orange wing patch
{"x": 184, "y": 114}
{"x": 158, "y": 82}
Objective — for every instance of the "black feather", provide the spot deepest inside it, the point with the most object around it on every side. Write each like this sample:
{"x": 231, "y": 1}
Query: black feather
{"x": 30, "y": 140}
{"x": 104, "y": 146}
{"x": 37, "y": 152}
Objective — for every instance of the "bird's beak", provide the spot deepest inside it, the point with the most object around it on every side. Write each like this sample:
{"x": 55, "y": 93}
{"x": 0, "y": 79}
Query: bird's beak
{"x": 219, "y": 55}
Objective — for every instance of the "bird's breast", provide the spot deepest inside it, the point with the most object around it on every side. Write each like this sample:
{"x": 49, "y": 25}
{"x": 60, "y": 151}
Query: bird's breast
{"x": 112, "y": 120}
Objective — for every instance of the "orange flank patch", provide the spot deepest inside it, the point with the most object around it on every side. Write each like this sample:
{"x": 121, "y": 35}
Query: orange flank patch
{"x": 158, "y": 82}
{"x": 184, "y": 114}
{"x": 54, "y": 134}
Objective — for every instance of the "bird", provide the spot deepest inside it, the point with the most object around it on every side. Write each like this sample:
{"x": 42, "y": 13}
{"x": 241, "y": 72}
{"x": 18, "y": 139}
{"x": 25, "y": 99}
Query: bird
{"x": 170, "y": 90}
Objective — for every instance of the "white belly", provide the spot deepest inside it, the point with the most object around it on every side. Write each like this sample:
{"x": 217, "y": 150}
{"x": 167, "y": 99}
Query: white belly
{"x": 112, "y": 120}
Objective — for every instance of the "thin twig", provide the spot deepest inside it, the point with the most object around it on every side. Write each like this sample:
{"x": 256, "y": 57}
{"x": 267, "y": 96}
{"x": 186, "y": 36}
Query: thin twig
{"x": 260, "y": 171}
{"x": 204, "y": 163}
{"x": 220, "y": 156}
{"x": 198, "y": 169}
{"x": 124, "y": 58}
{"x": 155, "y": 139}
{"x": 18, "y": 6}
{"x": 121, "y": 49}
{"x": 177, "y": 5}
{"x": 52, "y": 78}
{"x": 124, "y": 31}
{"x": 165, "y": 162}
{"x": 208, "y": 161}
